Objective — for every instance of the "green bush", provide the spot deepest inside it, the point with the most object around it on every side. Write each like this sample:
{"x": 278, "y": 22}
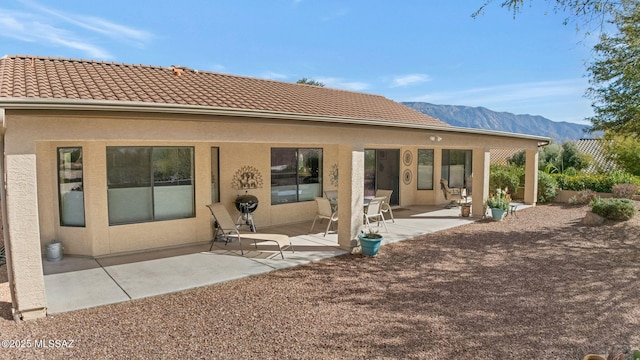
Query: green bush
{"x": 505, "y": 176}
{"x": 614, "y": 209}
{"x": 596, "y": 182}
{"x": 547, "y": 188}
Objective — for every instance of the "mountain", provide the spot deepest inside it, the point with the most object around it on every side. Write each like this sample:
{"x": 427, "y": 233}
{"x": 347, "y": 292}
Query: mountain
{"x": 483, "y": 118}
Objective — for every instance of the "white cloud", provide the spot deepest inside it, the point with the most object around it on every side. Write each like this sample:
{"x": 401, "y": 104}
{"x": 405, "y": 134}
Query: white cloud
{"x": 92, "y": 23}
{"x": 561, "y": 100}
{"x": 338, "y": 83}
{"x": 484, "y": 96}
{"x": 406, "y": 80}
{"x": 274, "y": 75}
{"x": 56, "y": 28}
{"x": 217, "y": 68}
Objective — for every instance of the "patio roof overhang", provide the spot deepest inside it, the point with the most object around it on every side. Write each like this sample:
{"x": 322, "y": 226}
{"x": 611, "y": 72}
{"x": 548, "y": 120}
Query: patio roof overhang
{"x": 144, "y": 107}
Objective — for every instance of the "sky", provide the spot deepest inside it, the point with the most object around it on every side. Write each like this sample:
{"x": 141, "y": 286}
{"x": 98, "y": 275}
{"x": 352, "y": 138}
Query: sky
{"x": 405, "y": 50}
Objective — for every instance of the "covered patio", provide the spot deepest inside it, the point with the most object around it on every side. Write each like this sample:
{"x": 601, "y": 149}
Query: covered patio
{"x": 82, "y": 282}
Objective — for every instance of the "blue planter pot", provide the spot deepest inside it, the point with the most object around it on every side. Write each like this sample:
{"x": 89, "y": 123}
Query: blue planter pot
{"x": 497, "y": 214}
{"x": 369, "y": 247}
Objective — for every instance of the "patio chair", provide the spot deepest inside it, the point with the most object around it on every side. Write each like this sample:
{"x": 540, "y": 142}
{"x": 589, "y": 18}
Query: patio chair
{"x": 332, "y": 195}
{"x": 228, "y": 227}
{"x": 373, "y": 211}
{"x": 324, "y": 212}
{"x": 386, "y": 207}
{"x": 454, "y": 195}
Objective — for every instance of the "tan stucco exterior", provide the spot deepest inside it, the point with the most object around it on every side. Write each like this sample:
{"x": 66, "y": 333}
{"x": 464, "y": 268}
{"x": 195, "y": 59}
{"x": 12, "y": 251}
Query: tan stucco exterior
{"x": 32, "y": 138}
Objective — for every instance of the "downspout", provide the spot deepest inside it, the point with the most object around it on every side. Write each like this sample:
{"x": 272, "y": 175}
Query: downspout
{"x": 5, "y": 225}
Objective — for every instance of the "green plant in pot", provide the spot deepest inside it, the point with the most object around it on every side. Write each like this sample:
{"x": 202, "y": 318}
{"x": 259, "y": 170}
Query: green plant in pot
{"x": 370, "y": 242}
{"x": 499, "y": 204}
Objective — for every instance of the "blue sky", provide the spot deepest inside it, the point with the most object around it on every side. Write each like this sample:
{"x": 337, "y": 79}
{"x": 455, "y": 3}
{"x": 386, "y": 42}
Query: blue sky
{"x": 409, "y": 50}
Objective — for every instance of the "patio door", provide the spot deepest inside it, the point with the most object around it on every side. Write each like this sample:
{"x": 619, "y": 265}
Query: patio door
{"x": 382, "y": 171}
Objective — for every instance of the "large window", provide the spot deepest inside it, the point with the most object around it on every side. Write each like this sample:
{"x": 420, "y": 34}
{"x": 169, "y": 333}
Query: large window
{"x": 149, "y": 183}
{"x": 70, "y": 187}
{"x": 425, "y": 169}
{"x": 456, "y": 167}
{"x": 296, "y": 175}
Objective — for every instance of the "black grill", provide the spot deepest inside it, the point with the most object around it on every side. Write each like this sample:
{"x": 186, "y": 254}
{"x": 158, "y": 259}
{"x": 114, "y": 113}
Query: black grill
{"x": 246, "y": 204}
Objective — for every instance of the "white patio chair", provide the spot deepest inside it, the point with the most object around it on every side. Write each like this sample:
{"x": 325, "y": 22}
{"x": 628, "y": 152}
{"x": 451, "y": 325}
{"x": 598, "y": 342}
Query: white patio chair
{"x": 324, "y": 212}
{"x": 373, "y": 211}
{"x": 386, "y": 207}
{"x": 229, "y": 228}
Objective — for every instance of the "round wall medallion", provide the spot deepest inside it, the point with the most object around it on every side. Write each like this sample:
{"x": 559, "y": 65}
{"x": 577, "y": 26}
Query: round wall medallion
{"x": 407, "y": 157}
{"x": 406, "y": 177}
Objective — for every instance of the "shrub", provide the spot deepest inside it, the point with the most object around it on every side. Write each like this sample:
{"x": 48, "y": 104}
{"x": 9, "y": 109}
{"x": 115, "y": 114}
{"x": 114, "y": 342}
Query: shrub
{"x": 625, "y": 191}
{"x": 501, "y": 176}
{"x": 614, "y": 209}
{"x": 583, "y": 197}
{"x": 596, "y": 182}
{"x": 547, "y": 188}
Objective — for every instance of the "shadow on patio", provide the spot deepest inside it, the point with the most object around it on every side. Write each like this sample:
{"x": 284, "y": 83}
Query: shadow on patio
{"x": 82, "y": 282}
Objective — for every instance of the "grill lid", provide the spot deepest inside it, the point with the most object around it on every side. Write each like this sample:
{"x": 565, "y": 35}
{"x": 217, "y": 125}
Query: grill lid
{"x": 246, "y": 203}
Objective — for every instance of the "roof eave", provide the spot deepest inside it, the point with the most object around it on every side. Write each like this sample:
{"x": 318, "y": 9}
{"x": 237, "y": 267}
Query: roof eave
{"x": 109, "y": 105}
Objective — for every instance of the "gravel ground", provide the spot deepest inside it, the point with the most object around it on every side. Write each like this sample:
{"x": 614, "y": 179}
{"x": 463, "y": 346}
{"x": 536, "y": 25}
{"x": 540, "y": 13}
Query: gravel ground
{"x": 541, "y": 287}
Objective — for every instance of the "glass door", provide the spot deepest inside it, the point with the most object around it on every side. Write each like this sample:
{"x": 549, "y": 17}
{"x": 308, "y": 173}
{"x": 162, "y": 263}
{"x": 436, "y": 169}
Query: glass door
{"x": 382, "y": 171}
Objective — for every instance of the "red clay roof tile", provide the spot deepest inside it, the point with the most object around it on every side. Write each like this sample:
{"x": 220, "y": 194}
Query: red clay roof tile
{"x": 42, "y": 77}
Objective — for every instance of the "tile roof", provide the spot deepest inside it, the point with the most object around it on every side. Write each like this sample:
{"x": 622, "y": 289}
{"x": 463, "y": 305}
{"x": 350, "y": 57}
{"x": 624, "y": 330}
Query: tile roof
{"x": 57, "y": 78}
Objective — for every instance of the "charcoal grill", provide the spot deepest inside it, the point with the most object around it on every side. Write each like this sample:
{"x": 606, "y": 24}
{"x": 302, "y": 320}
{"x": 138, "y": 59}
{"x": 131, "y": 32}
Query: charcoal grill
{"x": 246, "y": 204}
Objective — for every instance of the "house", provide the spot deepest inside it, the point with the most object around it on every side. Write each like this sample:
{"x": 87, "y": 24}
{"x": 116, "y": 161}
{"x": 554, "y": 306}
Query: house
{"x": 111, "y": 158}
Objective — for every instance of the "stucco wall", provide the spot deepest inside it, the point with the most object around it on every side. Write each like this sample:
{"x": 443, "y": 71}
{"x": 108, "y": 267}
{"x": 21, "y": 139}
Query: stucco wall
{"x": 242, "y": 141}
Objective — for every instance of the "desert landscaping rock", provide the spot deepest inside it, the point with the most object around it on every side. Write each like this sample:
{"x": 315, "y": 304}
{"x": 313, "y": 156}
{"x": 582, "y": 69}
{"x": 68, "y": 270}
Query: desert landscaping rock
{"x": 542, "y": 286}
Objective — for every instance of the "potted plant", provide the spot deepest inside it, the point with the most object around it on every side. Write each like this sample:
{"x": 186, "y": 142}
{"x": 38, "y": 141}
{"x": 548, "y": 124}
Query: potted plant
{"x": 370, "y": 242}
{"x": 465, "y": 209}
{"x": 499, "y": 204}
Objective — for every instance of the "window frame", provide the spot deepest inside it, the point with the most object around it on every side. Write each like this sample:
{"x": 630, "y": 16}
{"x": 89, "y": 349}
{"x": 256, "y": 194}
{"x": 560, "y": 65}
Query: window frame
{"x": 432, "y": 169}
{"x": 61, "y": 200}
{"x": 153, "y": 183}
{"x": 297, "y": 176}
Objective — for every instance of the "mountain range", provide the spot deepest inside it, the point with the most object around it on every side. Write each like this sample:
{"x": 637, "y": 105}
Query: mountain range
{"x": 483, "y": 118}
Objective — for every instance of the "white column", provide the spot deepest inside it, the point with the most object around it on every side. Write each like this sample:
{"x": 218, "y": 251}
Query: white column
{"x": 24, "y": 255}
{"x": 350, "y": 193}
{"x": 531, "y": 177}
{"x": 480, "y": 185}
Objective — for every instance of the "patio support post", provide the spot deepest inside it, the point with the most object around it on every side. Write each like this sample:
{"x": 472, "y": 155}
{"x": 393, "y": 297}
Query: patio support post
{"x": 22, "y": 238}
{"x": 480, "y": 182}
{"x": 531, "y": 176}
{"x": 351, "y": 194}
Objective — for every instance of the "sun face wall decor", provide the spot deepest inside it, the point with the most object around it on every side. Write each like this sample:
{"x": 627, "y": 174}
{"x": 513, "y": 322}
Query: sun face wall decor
{"x": 247, "y": 177}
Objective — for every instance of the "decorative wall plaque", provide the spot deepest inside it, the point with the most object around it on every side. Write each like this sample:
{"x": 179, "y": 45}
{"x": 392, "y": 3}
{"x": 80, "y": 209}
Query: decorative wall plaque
{"x": 407, "y": 176}
{"x": 247, "y": 177}
{"x": 333, "y": 175}
{"x": 407, "y": 158}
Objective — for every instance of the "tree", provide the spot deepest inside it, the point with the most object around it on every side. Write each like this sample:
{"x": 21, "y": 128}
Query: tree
{"x": 555, "y": 158}
{"x": 624, "y": 151}
{"x": 574, "y": 158}
{"x": 585, "y": 11}
{"x": 615, "y": 76}
{"x": 304, "y": 80}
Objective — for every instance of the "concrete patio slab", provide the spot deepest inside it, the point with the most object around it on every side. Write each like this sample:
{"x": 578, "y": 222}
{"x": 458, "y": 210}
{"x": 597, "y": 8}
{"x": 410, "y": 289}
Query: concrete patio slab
{"x": 81, "y": 289}
{"x": 161, "y": 276}
{"x": 82, "y": 282}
